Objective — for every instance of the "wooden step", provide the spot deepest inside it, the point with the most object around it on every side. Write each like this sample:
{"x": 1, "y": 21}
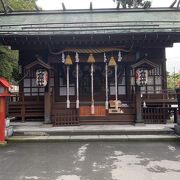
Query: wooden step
{"x": 110, "y": 119}
{"x": 105, "y": 122}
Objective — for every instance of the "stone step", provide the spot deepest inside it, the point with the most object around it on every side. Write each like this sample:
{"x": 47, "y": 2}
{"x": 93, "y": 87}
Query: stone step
{"x": 94, "y": 138}
{"x": 56, "y": 132}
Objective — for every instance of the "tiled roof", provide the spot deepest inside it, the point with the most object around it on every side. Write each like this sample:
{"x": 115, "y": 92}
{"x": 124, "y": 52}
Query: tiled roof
{"x": 80, "y": 22}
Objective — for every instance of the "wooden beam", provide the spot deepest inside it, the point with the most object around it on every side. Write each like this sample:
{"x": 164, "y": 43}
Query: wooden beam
{"x": 91, "y": 6}
{"x": 64, "y": 7}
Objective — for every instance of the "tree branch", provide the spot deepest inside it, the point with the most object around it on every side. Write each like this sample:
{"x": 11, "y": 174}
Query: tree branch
{"x": 172, "y": 5}
{"x": 178, "y": 4}
{"x": 4, "y": 6}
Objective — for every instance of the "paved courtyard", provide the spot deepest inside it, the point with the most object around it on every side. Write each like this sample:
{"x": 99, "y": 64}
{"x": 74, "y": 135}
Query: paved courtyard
{"x": 90, "y": 161}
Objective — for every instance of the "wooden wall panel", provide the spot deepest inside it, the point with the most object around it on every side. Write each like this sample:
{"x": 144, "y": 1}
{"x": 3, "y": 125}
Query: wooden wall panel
{"x": 86, "y": 111}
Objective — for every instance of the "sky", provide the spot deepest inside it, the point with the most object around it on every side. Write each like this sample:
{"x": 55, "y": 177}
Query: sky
{"x": 172, "y": 54}
{"x": 83, "y": 4}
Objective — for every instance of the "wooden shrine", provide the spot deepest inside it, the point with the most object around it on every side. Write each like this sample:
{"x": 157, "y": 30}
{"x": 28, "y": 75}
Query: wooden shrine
{"x": 104, "y": 66}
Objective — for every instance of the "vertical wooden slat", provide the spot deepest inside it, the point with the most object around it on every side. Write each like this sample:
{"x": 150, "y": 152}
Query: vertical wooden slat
{"x": 156, "y": 115}
{"x": 66, "y": 117}
{"x": 23, "y": 112}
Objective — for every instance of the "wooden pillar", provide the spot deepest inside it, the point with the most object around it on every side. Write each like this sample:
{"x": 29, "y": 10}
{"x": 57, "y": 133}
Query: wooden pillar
{"x": 47, "y": 107}
{"x": 21, "y": 99}
{"x": 163, "y": 69}
{"x": 116, "y": 87}
{"x": 138, "y": 105}
{"x": 2, "y": 119}
{"x": 67, "y": 90}
{"x": 92, "y": 89}
{"x": 7, "y": 105}
{"x": 47, "y": 102}
{"x": 164, "y": 75}
{"x": 106, "y": 80}
{"x": 23, "y": 111}
{"x": 106, "y": 70}
{"x": 128, "y": 83}
{"x": 77, "y": 80}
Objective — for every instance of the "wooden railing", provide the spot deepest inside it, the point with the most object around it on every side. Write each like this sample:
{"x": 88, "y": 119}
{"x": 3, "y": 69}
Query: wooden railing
{"x": 158, "y": 115}
{"x": 25, "y": 110}
{"x": 156, "y": 111}
{"x": 157, "y": 106}
{"x": 14, "y": 98}
{"x": 18, "y": 108}
{"x": 163, "y": 96}
{"x": 66, "y": 117}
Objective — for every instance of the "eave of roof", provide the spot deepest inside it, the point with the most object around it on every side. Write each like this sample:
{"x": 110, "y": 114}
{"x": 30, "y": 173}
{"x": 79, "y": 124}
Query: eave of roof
{"x": 38, "y": 62}
{"x": 77, "y": 11}
{"x": 145, "y": 62}
{"x": 96, "y": 21}
{"x": 4, "y": 82}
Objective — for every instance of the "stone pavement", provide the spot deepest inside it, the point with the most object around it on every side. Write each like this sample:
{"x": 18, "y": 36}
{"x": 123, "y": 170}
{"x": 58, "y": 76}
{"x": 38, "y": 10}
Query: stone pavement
{"x": 90, "y": 161}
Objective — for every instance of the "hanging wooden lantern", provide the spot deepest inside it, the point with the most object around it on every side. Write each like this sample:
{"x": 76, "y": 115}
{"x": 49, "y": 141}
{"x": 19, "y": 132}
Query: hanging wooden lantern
{"x": 91, "y": 59}
{"x": 112, "y": 62}
{"x": 41, "y": 77}
{"x": 141, "y": 76}
{"x": 68, "y": 60}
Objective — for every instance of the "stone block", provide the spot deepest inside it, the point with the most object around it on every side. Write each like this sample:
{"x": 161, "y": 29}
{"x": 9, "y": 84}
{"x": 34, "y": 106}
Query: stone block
{"x": 9, "y": 131}
{"x": 177, "y": 129}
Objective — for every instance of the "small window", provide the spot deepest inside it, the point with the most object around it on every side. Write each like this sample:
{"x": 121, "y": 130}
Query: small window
{"x": 121, "y": 90}
{"x": 1, "y": 89}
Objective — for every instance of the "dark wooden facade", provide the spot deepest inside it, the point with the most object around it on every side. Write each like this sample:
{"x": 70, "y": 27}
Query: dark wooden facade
{"x": 137, "y": 40}
{"x": 32, "y": 104}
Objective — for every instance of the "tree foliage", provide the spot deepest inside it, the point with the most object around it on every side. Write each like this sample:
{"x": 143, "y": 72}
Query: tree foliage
{"x": 22, "y": 4}
{"x": 9, "y": 58}
{"x": 16, "y": 5}
{"x": 134, "y": 3}
{"x": 8, "y": 62}
{"x": 172, "y": 80}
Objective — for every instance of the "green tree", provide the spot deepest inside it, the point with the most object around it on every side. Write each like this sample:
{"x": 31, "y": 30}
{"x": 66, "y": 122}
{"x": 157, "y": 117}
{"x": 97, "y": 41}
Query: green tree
{"x": 15, "y": 5}
{"x": 9, "y": 58}
{"x": 172, "y": 79}
{"x": 134, "y": 3}
{"x": 8, "y": 62}
{"x": 22, "y": 4}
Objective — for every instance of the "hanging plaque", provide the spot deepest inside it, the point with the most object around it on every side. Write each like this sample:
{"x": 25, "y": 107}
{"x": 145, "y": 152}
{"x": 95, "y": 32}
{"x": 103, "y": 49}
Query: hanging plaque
{"x": 141, "y": 76}
{"x": 41, "y": 77}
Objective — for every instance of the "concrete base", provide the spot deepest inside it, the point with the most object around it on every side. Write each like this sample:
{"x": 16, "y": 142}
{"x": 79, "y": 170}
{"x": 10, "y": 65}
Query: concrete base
{"x": 47, "y": 120}
{"x": 178, "y": 120}
{"x": 3, "y": 143}
{"x": 94, "y": 138}
{"x": 177, "y": 129}
{"x": 9, "y": 131}
{"x": 139, "y": 124}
